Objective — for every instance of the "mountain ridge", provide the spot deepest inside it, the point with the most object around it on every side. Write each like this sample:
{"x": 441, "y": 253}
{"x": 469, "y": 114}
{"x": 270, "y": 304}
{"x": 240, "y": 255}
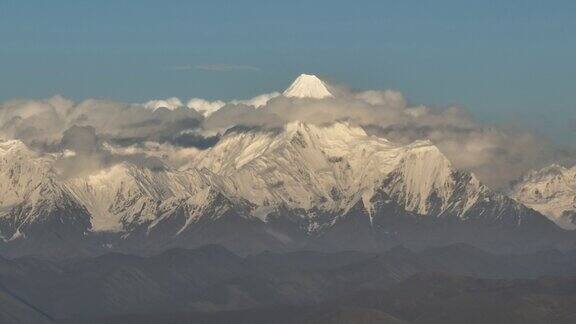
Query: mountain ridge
{"x": 302, "y": 186}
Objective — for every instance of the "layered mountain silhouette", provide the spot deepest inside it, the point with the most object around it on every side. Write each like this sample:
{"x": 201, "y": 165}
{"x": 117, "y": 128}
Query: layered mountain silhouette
{"x": 452, "y": 284}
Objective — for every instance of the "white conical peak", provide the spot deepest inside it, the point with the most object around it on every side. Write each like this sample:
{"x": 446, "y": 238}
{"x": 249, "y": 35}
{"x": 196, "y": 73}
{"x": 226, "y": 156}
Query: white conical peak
{"x": 308, "y": 86}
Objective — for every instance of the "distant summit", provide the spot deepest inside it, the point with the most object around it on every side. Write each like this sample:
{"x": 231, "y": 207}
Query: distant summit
{"x": 552, "y": 192}
{"x": 308, "y": 86}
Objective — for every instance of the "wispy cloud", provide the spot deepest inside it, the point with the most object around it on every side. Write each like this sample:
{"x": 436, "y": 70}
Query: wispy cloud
{"x": 179, "y": 68}
{"x": 213, "y": 67}
{"x": 225, "y": 67}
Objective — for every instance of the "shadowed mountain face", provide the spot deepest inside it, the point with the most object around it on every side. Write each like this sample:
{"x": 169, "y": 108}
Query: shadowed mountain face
{"x": 214, "y": 285}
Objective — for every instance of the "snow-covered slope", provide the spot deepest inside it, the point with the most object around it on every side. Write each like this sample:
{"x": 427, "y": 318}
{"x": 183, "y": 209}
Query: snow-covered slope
{"x": 37, "y": 213}
{"x": 21, "y": 171}
{"x": 551, "y": 191}
{"x": 125, "y": 196}
{"x": 115, "y": 199}
{"x": 425, "y": 182}
{"x": 308, "y": 86}
{"x": 302, "y": 165}
{"x": 328, "y": 169}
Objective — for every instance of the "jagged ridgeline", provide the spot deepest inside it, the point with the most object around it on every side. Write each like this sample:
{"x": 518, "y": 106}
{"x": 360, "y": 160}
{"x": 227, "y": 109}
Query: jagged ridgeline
{"x": 301, "y": 186}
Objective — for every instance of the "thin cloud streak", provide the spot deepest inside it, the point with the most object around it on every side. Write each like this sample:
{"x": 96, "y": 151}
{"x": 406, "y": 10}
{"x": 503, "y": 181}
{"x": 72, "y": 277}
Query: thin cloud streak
{"x": 226, "y": 67}
{"x": 180, "y": 68}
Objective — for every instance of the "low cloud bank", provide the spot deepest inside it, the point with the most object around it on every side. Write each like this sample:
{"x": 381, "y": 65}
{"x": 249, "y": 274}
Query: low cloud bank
{"x": 96, "y": 133}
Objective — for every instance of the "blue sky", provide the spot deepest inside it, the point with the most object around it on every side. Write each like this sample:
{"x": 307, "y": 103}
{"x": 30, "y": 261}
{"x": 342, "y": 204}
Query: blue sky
{"x": 507, "y": 62}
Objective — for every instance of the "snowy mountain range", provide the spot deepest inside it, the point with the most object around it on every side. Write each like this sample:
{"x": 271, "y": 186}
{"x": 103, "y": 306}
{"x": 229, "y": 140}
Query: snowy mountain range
{"x": 302, "y": 186}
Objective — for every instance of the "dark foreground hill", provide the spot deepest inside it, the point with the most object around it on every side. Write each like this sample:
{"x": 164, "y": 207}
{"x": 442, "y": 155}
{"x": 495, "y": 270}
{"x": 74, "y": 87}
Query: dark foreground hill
{"x": 456, "y": 283}
{"x": 423, "y": 298}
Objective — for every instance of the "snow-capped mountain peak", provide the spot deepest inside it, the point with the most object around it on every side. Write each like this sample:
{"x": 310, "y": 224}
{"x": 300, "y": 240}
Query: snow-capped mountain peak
{"x": 551, "y": 191}
{"x": 308, "y": 86}
{"x": 332, "y": 166}
{"x": 21, "y": 171}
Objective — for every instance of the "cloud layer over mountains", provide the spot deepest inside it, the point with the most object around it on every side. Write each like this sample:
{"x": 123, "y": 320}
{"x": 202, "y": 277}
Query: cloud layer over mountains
{"x": 92, "y": 134}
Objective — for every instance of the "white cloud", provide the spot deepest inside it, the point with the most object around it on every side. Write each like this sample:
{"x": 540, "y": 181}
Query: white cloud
{"x": 208, "y": 107}
{"x": 169, "y": 103}
{"x": 258, "y": 101}
{"x": 68, "y": 153}
{"x": 174, "y": 156}
{"x": 204, "y": 106}
{"x": 389, "y": 98}
{"x": 417, "y": 111}
{"x": 496, "y": 155}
